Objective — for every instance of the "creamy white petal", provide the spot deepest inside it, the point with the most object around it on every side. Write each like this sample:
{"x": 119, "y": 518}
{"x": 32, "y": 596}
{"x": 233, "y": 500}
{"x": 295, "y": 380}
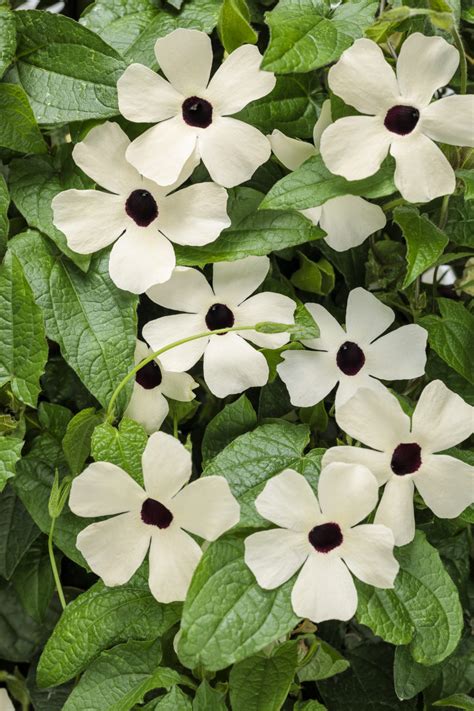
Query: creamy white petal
{"x": 377, "y": 462}
{"x": 396, "y": 509}
{"x": 195, "y": 215}
{"x": 178, "y": 386}
{"x": 350, "y": 384}
{"x": 232, "y": 151}
{"x": 239, "y": 80}
{"x": 275, "y": 556}
{"x": 174, "y": 556}
{"x": 399, "y": 355}
{"x": 166, "y": 466}
{"x": 446, "y": 485}
{"x": 5, "y": 703}
{"x": 140, "y": 258}
{"x": 308, "y": 376}
{"x": 185, "y": 58}
{"x": 445, "y": 275}
{"x": 422, "y": 171}
{"x": 313, "y": 214}
{"x": 331, "y": 333}
{"x": 355, "y": 146}
{"x": 348, "y": 220}
{"x": 441, "y": 419}
{"x": 374, "y": 418}
{"x": 166, "y": 330}
{"x": 363, "y": 78}
{"x": 114, "y": 549}
{"x": 288, "y": 501}
{"x": 367, "y": 551}
{"x": 206, "y": 507}
{"x": 148, "y": 407}
{"x": 450, "y": 120}
{"x": 186, "y": 290}
{"x": 366, "y": 317}
{"x": 90, "y": 219}
{"x": 266, "y": 306}
{"x": 324, "y": 590}
{"x": 347, "y": 493}
{"x": 424, "y": 65}
{"x": 324, "y": 120}
{"x": 290, "y": 151}
{"x": 144, "y": 96}
{"x": 233, "y": 282}
{"x": 231, "y": 365}
{"x": 103, "y": 489}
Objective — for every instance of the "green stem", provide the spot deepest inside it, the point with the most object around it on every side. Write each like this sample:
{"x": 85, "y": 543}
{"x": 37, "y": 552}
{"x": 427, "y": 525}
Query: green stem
{"x": 54, "y": 567}
{"x": 462, "y": 58}
{"x": 393, "y": 203}
{"x": 443, "y": 214}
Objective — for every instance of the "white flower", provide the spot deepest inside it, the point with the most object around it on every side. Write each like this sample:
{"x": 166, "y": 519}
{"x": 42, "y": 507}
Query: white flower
{"x": 230, "y": 363}
{"x": 347, "y": 219}
{"x": 5, "y": 703}
{"x": 154, "y": 518}
{"x": 148, "y": 404}
{"x": 139, "y": 214}
{"x": 400, "y": 117}
{"x": 444, "y": 273}
{"x": 405, "y": 453}
{"x": 191, "y": 113}
{"x": 354, "y": 357}
{"x": 323, "y": 538}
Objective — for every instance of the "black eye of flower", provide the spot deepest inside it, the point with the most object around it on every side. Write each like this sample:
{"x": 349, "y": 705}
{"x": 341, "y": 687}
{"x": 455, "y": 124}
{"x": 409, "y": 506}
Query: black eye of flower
{"x": 154, "y": 513}
{"x": 197, "y": 112}
{"x": 326, "y": 537}
{"x": 141, "y": 207}
{"x": 350, "y": 358}
{"x": 406, "y": 458}
{"x": 149, "y": 376}
{"x": 219, "y": 316}
{"x": 401, "y": 119}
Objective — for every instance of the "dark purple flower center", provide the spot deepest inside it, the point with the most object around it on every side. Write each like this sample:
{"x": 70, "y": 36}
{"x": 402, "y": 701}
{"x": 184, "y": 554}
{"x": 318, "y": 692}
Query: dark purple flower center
{"x": 197, "y": 112}
{"x": 149, "y": 376}
{"x": 141, "y": 207}
{"x": 219, "y": 316}
{"x": 155, "y": 514}
{"x": 326, "y": 537}
{"x": 406, "y": 458}
{"x": 401, "y": 119}
{"x": 350, "y": 358}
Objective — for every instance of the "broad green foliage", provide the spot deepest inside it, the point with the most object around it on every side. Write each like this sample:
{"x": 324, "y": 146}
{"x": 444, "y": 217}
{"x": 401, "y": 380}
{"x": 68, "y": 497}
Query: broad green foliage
{"x": 234, "y": 419}
{"x": 4, "y": 223}
{"x": 18, "y": 130}
{"x": 123, "y": 446}
{"x": 10, "y": 450}
{"x": 425, "y": 242}
{"x": 7, "y": 38}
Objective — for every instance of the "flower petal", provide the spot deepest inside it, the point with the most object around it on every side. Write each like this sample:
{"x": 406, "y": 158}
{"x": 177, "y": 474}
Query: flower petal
{"x": 144, "y": 96}
{"x": 324, "y": 120}
{"x": 90, "y": 219}
{"x": 232, "y": 151}
{"x": 324, "y": 590}
{"x": 195, "y": 215}
{"x": 288, "y": 501}
{"x": 186, "y": 290}
{"x": 266, "y": 306}
{"x": 148, "y": 407}
{"x": 140, "y": 258}
{"x": 174, "y": 556}
{"x": 424, "y": 65}
{"x": 166, "y": 330}
{"x": 166, "y": 466}
{"x": 233, "y": 282}
{"x": 178, "y": 386}
{"x": 366, "y": 317}
{"x": 347, "y": 493}
{"x": 441, "y": 419}
{"x": 291, "y": 152}
{"x": 422, "y": 171}
{"x": 206, "y": 507}
{"x": 331, "y": 333}
{"x": 348, "y": 220}
{"x": 450, "y": 120}
{"x": 396, "y": 509}
{"x": 5, "y": 703}
{"x": 185, "y": 58}
{"x": 103, "y": 489}
{"x": 239, "y": 80}
{"x": 399, "y": 355}
{"x": 275, "y": 556}
{"x": 355, "y": 146}
{"x": 114, "y": 549}
{"x": 377, "y": 462}
{"x": 313, "y": 214}
{"x": 446, "y": 485}
{"x": 308, "y": 376}
{"x": 368, "y": 553}
{"x": 350, "y": 384}
{"x": 231, "y": 365}
{"x": 364, "y": 79}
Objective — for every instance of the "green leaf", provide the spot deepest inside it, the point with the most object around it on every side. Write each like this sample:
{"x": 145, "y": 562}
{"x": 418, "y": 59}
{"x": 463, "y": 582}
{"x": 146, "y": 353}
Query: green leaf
{"x": 253, "y": 458}
{"x": 33, "y": 580}
{"x": 208, "y": 699}
{"x": 119, "y": 23}
{"x": 324, "y": 663}
{"x": 460, "y": 223}
{"x": 4, "y": 222}
{"x": 457, "y": 701}
{"x": 451, "y": 336}
{"x": 10, "y": 452}
{"x": 24, "y": 349}
{"x": 425, "y": 242}
{"x": 70, "y": 77}
{"x": 98, "y": 619}
{"x": 384, "y": 613}
{"x": 123, "y": 446}
{"x": 309, "y": 706}
{"x": 93, "y": 321}
{"x": 234, "y": 26}
{"x": 409, "y": 677}
{"x": 312, "y": 184}
{"x": 17, "y": 532}
{"x": 174, "y": 700}
{"x": 233, "y": 420}
{"x": 467, "y": 176}
{"x": 77, "y": 440}
{"x": 18, "y": 129}
{"x": 261, "y": 682}
{"x": 227, "y": 616}
{"x": 306, "y": 34}
{"x": 314, "y": 277}
{"x": 7, "y": 38}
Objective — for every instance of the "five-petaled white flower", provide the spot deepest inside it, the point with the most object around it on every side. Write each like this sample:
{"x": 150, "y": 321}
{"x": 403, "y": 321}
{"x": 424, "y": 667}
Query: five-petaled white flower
{"x": 138, "y": 215}
{"x": 347, "y": 219}
{"x": 354, "y": 357}
{"x": 155, "y": 518}
{"x": 148, "y": 404}
{"x": 192, "y": 113}
{"x": 230, "y": 363}
{"x": 405, "y": 453}
{"x": 399, "y": 117}
{"x": 321, "y": 535}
